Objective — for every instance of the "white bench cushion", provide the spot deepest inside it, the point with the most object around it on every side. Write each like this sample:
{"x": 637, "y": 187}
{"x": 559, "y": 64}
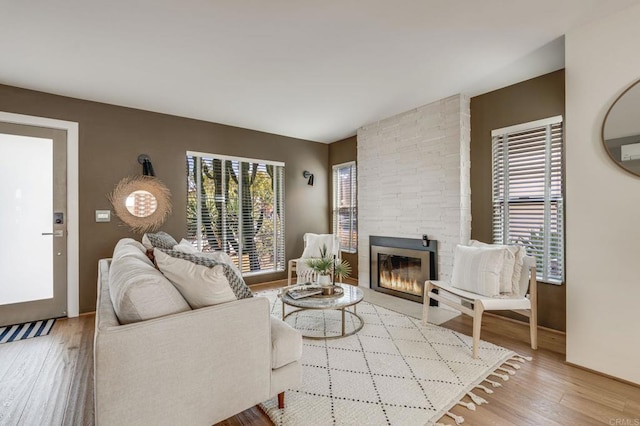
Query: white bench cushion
{"x": 490, "y": 303}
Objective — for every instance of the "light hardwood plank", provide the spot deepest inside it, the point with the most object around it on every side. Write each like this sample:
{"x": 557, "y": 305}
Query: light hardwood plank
{"x": 9, "y": 352}
{"x": 18, "y": 380}
{"x": 49, "y": 393}
{"x": 54, "y": 375}
{"x": 79, "y": 409}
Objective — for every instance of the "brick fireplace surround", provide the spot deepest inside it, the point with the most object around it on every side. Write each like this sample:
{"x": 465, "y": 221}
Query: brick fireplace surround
{"x": 414, "y": 179}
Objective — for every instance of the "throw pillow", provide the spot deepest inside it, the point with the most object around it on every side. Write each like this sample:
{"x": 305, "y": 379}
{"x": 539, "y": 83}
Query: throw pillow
{"x": 138, "y": 291}
{"x": 129, "y": 247}
{"x": 185, "y": 247}
{"x": 202, "y": 281}
{"x": 507, "y": 279}
{"x": 158, "y": 240}
{"x": 514, "y": 263}
{"x": 219, "y": 256}
{"x": 477, "y": 269}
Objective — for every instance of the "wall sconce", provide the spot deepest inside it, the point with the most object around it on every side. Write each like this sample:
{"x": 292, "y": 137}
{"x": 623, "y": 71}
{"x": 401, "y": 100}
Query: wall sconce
{"x": 147, "y": 167}
{"x": 308, "y": 175}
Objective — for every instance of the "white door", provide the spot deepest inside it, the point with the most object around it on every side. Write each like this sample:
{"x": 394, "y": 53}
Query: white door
{"x": 33, "y": 215}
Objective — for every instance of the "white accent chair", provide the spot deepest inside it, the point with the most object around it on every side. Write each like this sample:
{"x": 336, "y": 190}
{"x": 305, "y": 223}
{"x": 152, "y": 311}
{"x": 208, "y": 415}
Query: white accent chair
{"x": 312, "y": 245}
{"x": 458, "y": 298}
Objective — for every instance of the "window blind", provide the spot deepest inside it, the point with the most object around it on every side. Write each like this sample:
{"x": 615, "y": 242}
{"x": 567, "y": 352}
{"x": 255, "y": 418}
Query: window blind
{"x": 345, "y": 217}
{"x": 528, "y": 187}
{"x": 236, "y": 205}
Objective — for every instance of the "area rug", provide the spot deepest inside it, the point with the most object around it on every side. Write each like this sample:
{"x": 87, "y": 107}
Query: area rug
{"x": 12, "y": 333}
{"x": 395, "y": 371}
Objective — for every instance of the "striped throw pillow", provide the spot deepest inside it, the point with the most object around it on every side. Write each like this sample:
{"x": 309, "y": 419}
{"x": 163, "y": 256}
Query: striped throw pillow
{"x": 158, "y": 240}
{"x": 478, "y": 269}
{"x": 201, "y": 280}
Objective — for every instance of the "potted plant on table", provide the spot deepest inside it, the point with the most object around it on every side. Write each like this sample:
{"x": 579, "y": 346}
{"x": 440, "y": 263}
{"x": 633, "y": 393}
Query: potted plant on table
{"x": 325, "y": 265}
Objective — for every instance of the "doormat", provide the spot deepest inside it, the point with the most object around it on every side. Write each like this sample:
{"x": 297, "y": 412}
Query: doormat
{"x": 12, "y": 333}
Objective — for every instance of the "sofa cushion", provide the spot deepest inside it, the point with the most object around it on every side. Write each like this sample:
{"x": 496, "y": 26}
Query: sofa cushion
{"x": 139, "y": 291}
{"x": 286, "y": 343}
{"x": 158, "y": 240}
{"x": 478, "y": 269}
{"x": 130, "y": 247}
{"x": 202, "y": 281}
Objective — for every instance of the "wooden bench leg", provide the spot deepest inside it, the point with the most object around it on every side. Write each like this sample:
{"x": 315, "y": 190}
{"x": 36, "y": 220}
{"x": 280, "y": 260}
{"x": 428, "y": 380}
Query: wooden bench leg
{"x": 426, "y": 302}
{"x": 281, "y": 400}
{"x": 478, "y": 309}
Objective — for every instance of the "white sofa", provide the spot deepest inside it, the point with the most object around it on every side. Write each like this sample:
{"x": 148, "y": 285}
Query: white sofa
{"x": 196, "y": 367}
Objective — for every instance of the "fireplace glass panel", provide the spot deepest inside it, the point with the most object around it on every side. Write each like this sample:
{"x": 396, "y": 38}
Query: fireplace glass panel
{"x": 400, "y": 273}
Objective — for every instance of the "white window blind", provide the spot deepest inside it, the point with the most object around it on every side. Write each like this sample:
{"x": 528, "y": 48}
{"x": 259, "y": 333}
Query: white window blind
{"x": 345, "y": 217}
{"x": 236, "y": 205}
{"x": 528, "y": 188}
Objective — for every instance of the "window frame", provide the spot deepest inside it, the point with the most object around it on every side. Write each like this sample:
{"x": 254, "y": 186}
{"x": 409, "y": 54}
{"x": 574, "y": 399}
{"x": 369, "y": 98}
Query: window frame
{"x": 552, "y": 202}
{"x": 278, "y": 251}
{"x": 352, "y": 207}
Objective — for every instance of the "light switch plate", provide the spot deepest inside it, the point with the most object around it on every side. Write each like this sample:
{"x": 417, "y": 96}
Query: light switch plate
{"x": 103, "y": 215}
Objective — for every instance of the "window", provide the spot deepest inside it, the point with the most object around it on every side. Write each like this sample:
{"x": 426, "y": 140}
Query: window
{"x": 236, "y": 205}
{"x": 528, "y": 203}
{"x": 345, "y": 217}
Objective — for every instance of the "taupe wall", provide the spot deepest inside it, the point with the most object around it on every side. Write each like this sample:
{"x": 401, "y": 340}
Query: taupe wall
{"x": 529, "y": 100}
{"x": 342, "y": 151}
{"x": 112, "y": 137}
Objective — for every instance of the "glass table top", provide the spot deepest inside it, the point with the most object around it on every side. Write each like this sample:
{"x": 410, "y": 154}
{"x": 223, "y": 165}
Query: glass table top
{"x": 349, "y": 297}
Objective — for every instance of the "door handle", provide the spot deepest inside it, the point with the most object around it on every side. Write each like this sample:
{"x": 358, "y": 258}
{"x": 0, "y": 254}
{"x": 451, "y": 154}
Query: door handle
{"x": 57, "y": 233}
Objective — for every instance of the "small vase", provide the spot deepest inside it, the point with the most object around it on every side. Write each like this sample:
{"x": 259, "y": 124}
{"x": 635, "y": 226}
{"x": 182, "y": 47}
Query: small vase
{"x": 324, "y": 279}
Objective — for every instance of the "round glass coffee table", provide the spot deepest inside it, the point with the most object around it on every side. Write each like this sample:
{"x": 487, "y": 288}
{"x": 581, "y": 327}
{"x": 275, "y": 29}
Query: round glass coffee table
{"x": 350, "y": 296}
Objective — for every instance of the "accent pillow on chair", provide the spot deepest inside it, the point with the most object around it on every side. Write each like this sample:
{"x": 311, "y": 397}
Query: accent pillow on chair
{"x": 512, "y": 267}
{"x": 202, "y": 281}
{"x": 478, "y": 269}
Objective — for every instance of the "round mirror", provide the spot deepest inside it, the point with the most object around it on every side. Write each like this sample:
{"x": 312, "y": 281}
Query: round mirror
{"x": 141, "y": 203}
{"x": 621, "y": 130}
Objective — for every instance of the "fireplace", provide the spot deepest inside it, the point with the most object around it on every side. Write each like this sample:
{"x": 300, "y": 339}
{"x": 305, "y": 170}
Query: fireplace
{"x": 400, "y": 266}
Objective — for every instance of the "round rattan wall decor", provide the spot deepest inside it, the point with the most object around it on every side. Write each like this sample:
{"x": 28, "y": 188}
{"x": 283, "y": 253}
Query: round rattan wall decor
{"x": 142, "y": 202}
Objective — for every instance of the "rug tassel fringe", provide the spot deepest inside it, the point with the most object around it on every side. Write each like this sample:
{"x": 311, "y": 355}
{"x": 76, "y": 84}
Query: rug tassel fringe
{"x": 493, "y": 383}
{"x": 486, "y": 389}
{"x": 458, "y": 419}
{"x": 506, "y": 370}
{"x": 478, "y": 400}
{"x": 512, "y": 365}
{"x": 468, "y": 405}
{"x": 528, "y": 358}
{"x": 504, "y": 377}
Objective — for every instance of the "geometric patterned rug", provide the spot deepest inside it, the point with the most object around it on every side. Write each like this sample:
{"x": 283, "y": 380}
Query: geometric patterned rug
{"x": 27, "y": 330}
{"x": 395, "y": 371}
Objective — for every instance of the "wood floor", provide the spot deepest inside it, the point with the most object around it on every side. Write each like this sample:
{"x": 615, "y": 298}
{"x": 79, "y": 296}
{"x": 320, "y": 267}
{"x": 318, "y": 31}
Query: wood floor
{"x": 48, "y": 381}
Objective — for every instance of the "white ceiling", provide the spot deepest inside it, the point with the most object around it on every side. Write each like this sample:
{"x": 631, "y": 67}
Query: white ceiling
{"x": 311, "y": 69}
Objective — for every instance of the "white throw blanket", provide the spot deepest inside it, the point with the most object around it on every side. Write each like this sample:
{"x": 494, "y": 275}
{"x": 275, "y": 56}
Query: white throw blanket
{"x": 314, "y": 243}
